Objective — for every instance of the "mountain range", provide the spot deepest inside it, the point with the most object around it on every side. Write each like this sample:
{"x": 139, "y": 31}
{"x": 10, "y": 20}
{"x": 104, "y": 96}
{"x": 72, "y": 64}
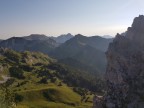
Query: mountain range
{"x": 86, "y": 53}
{"x": 41, "y": 71}
{"x": 29, "y": 43}
{"x": 79, "y": 52}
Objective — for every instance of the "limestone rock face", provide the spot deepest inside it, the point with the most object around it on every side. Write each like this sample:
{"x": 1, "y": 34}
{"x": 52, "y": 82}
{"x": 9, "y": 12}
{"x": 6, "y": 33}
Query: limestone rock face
{"x": 125, "y": 69}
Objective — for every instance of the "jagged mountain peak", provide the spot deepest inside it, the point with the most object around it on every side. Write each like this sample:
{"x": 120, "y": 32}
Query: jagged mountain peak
{"x": 63, "y": 38}
{"x": 136, "y": 31}
{"x": 138, "y": 23}
{"x": 125, "y": 72}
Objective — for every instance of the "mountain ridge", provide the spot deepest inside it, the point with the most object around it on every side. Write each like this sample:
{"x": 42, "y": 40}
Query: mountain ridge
{"x": 83, "y": 49}
{"x": 22, "y": 44}
{"x": 79, "y": 48}
{"x": 36, "y": 37}
{"x": 63, "y": 38}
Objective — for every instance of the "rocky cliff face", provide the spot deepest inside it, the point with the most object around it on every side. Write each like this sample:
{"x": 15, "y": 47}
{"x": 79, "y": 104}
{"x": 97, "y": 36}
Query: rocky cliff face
{"x": 125, "y": 69}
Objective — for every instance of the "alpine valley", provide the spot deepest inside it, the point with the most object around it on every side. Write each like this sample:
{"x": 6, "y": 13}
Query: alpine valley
{"x": 39, "y": 71}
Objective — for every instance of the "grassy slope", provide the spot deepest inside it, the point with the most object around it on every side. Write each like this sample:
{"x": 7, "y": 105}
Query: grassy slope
{"x": 33, "y": 92}
{"x": 63, "y": 97}
{"x": 58, "y": 96}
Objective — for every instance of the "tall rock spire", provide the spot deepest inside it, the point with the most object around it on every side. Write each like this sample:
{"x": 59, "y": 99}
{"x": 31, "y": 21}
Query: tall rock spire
{"x": 125, "y": 69}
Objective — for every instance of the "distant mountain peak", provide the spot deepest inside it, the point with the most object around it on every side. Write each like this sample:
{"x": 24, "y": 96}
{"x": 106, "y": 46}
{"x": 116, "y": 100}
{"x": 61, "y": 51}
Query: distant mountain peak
{"x": 36, "y": 37}
{"x": 68, "y": 34}
{"x": 107, "y": 36}
{"x": 63, "y": 38}
{"x": 79, "y": 35}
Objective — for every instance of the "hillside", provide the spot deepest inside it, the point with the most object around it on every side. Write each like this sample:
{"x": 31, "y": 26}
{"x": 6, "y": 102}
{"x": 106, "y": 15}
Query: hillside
{"x": 35, "y": 42}
{"x": 30, "y": 43}
{"x": 87, "y": 52}
{"x": 97, "y": 42}
{"x": 38, "y": 81}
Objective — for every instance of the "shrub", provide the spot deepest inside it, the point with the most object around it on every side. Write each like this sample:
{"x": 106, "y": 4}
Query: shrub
{"x": 60, "y": 84}
{"x": 18, "y": 98}
{"x": 53, "y": 80}
{"x": 43, "y": 80}
{"x": 16, "y": 72}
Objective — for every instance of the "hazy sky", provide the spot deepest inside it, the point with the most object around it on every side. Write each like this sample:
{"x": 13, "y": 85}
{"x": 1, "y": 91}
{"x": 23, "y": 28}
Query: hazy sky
{"x": 55, "y": 17}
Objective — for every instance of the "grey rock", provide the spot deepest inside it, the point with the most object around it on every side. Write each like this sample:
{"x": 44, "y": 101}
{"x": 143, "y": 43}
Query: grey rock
{"x": 125, "y": 68}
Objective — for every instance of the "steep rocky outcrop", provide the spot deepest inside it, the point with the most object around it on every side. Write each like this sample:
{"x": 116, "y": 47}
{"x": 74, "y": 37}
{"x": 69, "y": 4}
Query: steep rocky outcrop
{"x": 125, "y": 69}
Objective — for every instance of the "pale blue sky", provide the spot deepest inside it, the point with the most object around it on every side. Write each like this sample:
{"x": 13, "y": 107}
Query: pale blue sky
{"x": 55, "y": 17}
